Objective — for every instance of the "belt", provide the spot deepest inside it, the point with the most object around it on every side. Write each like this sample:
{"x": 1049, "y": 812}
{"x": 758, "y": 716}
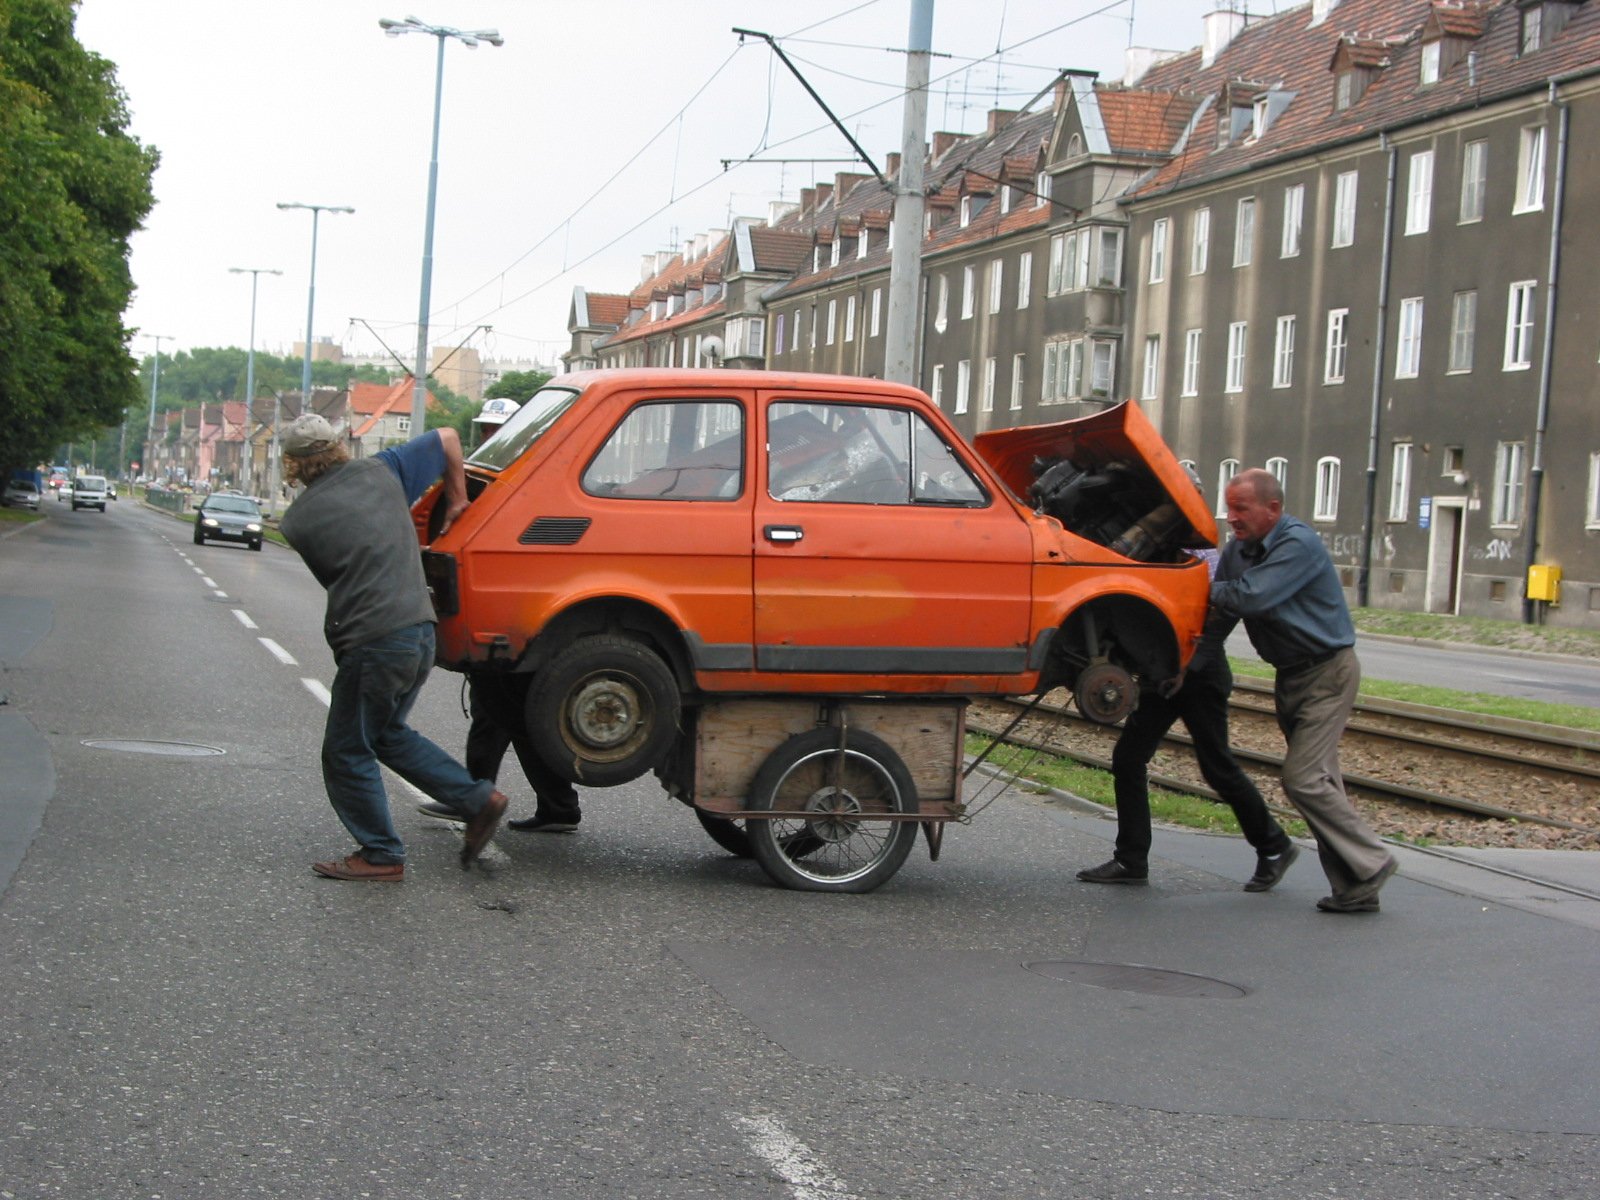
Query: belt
{"x": 1305, "y": 664}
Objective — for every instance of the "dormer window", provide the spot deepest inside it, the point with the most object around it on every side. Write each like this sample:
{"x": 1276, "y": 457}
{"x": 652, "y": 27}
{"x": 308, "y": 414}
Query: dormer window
{"x": 966, "y": 211}
{"x": 1005, "y": 197}
{"x": 1240, "y": 119}
{"x": 1531, "y": 34}
{"x": 1431, "y": 58}
{"x": 833, "y": 252}
{"x": 861, "y": 244}
{"x": 1258, "y": 117}
{"x": 816, "y": 259}
{"x": 1041, "y": 188}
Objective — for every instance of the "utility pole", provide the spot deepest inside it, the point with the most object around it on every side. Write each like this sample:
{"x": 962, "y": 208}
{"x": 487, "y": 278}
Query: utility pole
{"x": 905, "y": 260}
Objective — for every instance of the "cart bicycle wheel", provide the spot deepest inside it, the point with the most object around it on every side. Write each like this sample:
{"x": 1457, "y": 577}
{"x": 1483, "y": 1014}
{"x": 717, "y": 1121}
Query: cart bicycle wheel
{"x": 734, "y": 836}
{"x": 836, "y": 847}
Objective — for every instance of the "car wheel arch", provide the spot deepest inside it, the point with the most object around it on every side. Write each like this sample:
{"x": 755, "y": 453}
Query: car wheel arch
{"x": 631, "y": 618}
{"x": 1127, "y": 629}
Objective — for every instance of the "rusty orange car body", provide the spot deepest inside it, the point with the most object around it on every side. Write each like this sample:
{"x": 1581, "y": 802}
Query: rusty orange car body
{"x": 760, "y": 533}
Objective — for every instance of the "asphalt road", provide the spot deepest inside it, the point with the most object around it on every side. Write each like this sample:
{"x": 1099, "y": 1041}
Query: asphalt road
{"x": 189, "y": 1012}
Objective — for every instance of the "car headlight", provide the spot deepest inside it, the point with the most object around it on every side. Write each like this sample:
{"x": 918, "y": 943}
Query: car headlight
{"x": 209, "y": 522}
{"x": 252, "y": 528}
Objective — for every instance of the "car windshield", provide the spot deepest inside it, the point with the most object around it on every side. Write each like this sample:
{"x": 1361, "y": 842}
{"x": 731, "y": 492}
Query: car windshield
{"x": 93, "y": 483}
{"x": 233, "y": 504}
{"x": 525, "y": 427}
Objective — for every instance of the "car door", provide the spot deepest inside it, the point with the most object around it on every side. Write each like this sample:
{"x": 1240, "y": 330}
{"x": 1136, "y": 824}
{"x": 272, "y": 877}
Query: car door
{"x": 878, "y": 548}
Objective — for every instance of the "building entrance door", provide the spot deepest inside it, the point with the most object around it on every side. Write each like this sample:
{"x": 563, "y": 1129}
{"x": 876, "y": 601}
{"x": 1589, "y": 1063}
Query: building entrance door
{"x": 1447, "y": 544}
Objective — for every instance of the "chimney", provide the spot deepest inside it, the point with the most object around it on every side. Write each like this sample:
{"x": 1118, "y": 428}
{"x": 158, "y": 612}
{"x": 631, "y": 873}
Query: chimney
{"x": 664, "y": 259}
{"x": 1139, "y": 59}
{"x": 808, "y": 199}
{"x": 647, "y": 267}
{"x": 998, "y": 117}
{"x": 1320, "y": 10}
{"x": 891, "y": 165}
{"x": 943, "y": 141}
{"x": 1220, "y": 29}
{"x": 824, "y": 194}
{"x": 777, "y": 210}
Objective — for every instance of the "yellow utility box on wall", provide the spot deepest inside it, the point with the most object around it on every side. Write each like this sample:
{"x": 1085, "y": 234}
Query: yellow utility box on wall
{"x": 1544, "y": 583}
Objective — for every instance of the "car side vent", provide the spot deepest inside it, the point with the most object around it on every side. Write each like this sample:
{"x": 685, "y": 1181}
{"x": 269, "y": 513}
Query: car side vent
{"x": 554, "y": 531}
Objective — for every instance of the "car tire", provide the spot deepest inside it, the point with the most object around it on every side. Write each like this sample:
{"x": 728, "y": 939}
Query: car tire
{"x": 199, "y": 537}
{"x": 604, "y": 711}
{"x": 256, "y": 545}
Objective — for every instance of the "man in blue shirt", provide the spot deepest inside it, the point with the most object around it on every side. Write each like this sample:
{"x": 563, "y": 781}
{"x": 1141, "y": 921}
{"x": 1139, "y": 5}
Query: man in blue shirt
{"x": 1279, "y": 578}
{"x": 352, "y": 526}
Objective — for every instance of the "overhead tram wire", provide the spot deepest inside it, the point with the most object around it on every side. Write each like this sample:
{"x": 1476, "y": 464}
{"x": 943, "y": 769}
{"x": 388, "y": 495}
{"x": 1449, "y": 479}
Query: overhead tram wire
{"x": 898, "y": 95}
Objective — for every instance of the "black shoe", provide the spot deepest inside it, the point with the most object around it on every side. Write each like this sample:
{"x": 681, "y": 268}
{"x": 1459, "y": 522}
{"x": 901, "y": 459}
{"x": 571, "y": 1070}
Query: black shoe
{"x": 442, "y": 811}
{"x": 538, "y": 824}
{"x": 1270, "y": 871}
{"x": 1114, "y": 872}
{"x": 1368, "y": 889}
{"x": 1344, "y": 904}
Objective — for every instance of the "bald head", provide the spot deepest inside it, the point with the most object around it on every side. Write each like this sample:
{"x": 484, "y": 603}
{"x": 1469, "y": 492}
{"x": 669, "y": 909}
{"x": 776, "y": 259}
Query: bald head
{"x": 1255, "y": 502}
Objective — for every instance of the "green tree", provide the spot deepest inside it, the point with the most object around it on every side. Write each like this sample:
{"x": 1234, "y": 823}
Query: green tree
{"x": 74, "y": 185}
{"x": 516, "y": 385}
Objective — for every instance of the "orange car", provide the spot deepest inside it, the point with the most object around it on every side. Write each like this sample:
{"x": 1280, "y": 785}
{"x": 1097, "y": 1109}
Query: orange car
{"x": 644, "y": 540}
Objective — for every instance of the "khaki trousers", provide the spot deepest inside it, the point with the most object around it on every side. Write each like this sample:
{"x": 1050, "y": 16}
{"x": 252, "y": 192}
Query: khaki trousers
{"x": 1313, "y": 706}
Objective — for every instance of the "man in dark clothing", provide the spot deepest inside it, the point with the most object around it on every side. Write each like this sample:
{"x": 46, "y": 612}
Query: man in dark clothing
{"x": 496, "y": 704}
{"x": 1278, "y": 577}
{"x": 1199, "y": 698}
{"x": 352, "y": 526}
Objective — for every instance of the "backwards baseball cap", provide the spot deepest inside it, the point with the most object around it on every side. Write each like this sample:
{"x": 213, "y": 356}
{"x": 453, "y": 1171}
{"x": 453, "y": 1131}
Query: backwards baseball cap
{"x": 308, "y": 434}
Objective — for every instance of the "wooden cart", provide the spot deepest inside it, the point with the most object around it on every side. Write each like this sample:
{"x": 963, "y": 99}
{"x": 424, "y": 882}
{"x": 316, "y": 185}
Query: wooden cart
{"x": 826, "y": 793}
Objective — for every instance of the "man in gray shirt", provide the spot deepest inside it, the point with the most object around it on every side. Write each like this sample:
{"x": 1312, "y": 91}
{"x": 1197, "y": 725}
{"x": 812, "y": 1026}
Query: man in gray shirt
{"x": 352, "y": 526}
{"x": 1277, "y": 575}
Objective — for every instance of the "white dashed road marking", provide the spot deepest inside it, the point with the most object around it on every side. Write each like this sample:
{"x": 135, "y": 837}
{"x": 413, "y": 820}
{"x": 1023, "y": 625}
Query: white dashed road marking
{"x": 244, "y": 619}
{"x": 316, "y": 688}
{"x": 791, "y": 1159}
{"x": 278, "y": 652}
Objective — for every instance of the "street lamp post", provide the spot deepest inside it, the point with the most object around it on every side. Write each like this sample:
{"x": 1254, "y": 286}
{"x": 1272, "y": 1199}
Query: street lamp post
{"x": 255, "y": 274}
{"x": 469, "y": 38}
{"x": 305, "y": 370}
{"x": 150, "y": 431}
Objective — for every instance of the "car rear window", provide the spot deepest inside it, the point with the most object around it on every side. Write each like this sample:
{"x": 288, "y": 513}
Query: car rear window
{"x": 673, "y": 450}
{"x": 523, "y": 428}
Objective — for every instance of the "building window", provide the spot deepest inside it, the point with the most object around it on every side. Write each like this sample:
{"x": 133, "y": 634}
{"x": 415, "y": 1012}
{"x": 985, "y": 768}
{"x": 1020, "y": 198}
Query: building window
{"x": 969, "y": 279}
{"x": 986, "y": 400}
{"x": 1530, "y": 170}
{"x": 1226, "y": 470}
{"x": 1474, "y": 180}
{"x": 1158, "y": 250}
{"x": 875, "y": 322}
{"x": 965, "y": 217}
{"x": 833, "y": 249}
{"x": 1345, "y": 90}
{"x": 1408, "y": 355}
{"x": 1519, "y": 326}
{"x": 963, "y": 384}
{"x": 1344, "y": 209}
{"x": 1326, "y": 505}
{"x": 1108, "y": 271}
{"x": 1041, "y": 189}
{"x": 850, "y": 317}
{"x": 1419, "y": 192}
{"x": 794, "y": 332}
{"x": 833, "y": 320}
{"x": 1018, "y": 363}
{"x": 996, "y": 284}
{"x": 1191, "y": 362}
{"x": 1283, "y": 353}
{"x": 1338, "y": 344}
{"x": 941, "y": 314}
{"x": 777, "y": 336}
{"x": 1069, "y": 261}
{"x": 1199, "y": 240}
{"x": 402, "y": 424}
{"x": 1591, "y": 515}
{"x": 1152, "y": 366}
{"x": 861, "y": 244}
{"x": 1507, "y": 506}
{"x": 1024, "y": 278}
{"x": 1400, "y": 482}
{"x": 1103, "y": 367}
{"x": 1294, "y": 207}
{"x": 936, "y": 385}
{"x": 1236, "y": 351}
{"x": 1005, "y": 197}
{"x": 1463, "y": 330}
{"x": 1430, "y": 62}
{"x": 813, "y": 326}
{"x": 1278, "y": 468}
{"x": 1244, "y": 233}
{"x": 1531, "y": 32}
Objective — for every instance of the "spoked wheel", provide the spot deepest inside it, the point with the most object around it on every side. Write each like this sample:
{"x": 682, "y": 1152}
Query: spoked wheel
{"x": 832, "y": 848}
{"x": 603, "y": 711}
{"x": 734, "y": 836}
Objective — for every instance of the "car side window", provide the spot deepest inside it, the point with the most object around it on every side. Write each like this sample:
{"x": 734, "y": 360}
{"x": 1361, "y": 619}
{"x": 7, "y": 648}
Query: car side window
{"x": 861, "y": 454}
{"x": 672, "y": 450}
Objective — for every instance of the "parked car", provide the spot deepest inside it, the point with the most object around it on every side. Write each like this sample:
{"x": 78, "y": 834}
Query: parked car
{"x": 22, "y": 491}
{"x": 64, "y": 491}
{"x": 645, "y": 540}
{"x": 89, "y": 491}
{"x": 228, "y": 519}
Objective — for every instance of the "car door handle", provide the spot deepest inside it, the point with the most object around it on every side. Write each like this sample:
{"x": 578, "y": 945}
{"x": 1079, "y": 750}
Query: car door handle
{"x": 783, "y": 533}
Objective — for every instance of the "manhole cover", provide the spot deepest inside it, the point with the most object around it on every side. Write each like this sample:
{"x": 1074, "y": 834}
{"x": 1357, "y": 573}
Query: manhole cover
{"x": 170, "y": 749}
{"x": 1123, "y": 977}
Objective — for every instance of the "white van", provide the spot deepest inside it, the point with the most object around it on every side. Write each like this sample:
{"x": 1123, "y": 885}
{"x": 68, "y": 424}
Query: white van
{"x": 89, "y": 491}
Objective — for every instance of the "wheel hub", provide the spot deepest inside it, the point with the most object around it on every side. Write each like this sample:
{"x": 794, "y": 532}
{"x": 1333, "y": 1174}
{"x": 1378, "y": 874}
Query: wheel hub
{"x": 1105, "y": 693}
{"x": 604, "y": 713}
{"x": 836, "y": 809}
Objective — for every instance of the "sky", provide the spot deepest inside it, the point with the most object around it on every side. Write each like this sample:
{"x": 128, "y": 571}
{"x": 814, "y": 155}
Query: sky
{"x": 598, "y": 133}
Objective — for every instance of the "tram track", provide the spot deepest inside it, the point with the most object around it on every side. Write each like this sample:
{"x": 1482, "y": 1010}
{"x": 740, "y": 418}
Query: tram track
{"x": 1423, "y": 774}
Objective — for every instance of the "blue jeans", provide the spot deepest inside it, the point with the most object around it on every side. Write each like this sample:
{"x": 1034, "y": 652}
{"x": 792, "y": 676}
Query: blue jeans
{"x": 373, "y": 690}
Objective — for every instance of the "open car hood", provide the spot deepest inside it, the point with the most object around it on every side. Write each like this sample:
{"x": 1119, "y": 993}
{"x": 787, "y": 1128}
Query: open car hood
{"x": 1120, "y": 440}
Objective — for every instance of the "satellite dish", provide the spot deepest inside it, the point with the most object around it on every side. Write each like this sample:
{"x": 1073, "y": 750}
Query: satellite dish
{"x": 711, "y": 349}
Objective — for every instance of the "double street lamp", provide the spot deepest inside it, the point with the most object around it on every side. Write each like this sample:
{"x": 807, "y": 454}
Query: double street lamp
{"x": 255, "y": 274}
{"x": 311, "y": 304}
{"x": 155, "y": 380}
{"x": 469, "y": 38}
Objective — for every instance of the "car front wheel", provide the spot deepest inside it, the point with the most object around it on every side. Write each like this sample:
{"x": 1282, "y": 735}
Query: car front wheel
{"x": 604, "y": 711}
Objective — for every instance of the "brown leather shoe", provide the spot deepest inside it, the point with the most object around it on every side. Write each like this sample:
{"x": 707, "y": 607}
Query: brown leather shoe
{"x": 359, "y": 869}
{"x": 480, "y": 828}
